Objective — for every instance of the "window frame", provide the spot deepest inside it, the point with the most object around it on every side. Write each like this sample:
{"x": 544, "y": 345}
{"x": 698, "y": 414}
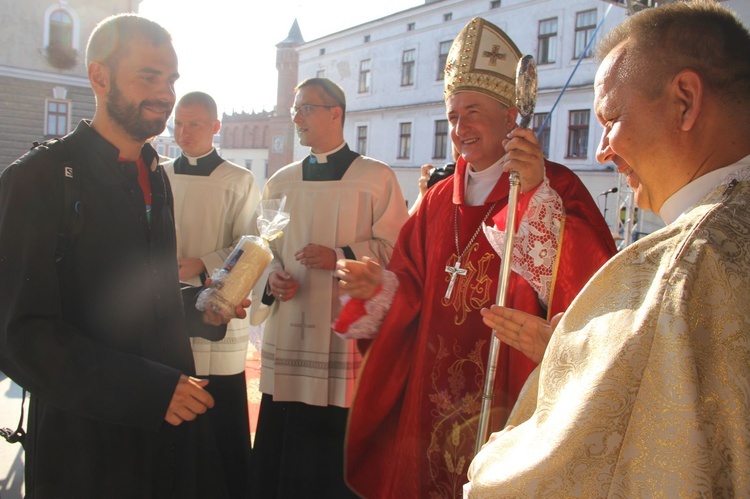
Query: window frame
{"x": 547, "y": 43}
{"x": 364, "y": 84}
{"x": 585, "y": 31}
{"x": 404, "y": 140}
{"x": 408, "y": 67}
{"x": 75, "y": 28}
{"x": 362, "y": 139}
{"x": 578, "y": 134}
{"x": 443, "y": 57}
{"x": 441, "y": 140}
{"x": 64, "y": 115}
{"x": 544, "y": 139}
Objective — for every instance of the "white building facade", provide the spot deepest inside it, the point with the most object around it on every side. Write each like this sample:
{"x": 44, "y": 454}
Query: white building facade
{"x": 391, "y": 70}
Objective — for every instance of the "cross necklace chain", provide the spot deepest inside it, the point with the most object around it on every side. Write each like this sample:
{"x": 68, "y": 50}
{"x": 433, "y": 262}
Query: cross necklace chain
{"x": 456, "y": 269}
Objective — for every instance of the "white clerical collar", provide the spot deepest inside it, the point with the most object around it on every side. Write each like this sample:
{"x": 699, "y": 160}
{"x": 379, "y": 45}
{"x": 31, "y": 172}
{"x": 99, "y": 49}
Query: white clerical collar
{"x": 684, "y": 199}
{"x": 480, "y": 184}
{"x": 323, "y": 157}
{"x": 194, "y": 160}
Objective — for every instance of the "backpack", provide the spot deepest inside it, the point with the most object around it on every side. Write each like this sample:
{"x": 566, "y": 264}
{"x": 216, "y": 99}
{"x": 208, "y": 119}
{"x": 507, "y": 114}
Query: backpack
{"x": 72, "y": 206}
{"x": 71, "y": 227}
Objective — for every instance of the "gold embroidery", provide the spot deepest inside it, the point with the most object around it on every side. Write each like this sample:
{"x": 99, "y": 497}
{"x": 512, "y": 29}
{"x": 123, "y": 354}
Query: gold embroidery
{"x": 644, "y": 387}
{"x": 472, "y": 291}
{"x": 455, "y": 410}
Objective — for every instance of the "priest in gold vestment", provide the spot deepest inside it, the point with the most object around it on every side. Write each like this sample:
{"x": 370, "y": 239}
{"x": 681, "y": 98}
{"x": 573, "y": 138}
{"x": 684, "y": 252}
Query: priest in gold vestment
{"x": 644, "y": 387}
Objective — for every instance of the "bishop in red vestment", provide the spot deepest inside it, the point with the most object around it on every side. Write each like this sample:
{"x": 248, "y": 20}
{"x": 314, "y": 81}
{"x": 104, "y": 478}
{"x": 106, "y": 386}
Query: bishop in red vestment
{"x": 413, "y": 423}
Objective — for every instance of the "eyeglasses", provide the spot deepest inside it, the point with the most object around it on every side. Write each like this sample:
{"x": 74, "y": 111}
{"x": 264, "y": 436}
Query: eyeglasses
{"x": 306, "y": 109}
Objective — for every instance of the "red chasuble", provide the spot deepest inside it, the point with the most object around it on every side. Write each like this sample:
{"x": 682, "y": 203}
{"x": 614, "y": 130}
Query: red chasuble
{"x": 413, "y": 423}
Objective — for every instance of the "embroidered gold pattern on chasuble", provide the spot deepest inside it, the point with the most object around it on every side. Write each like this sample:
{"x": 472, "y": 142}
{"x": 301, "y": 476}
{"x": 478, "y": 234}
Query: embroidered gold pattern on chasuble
{"x": 454, "y": 414}
{"x": 471, "y": 291}
{"x": 645, "y": 387}
{"x": 455, "y": 381}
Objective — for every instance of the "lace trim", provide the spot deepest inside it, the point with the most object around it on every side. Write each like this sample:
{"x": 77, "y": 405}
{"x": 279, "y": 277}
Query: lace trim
{"x": 367, "y": 326}
{"x": 536, "y": 242}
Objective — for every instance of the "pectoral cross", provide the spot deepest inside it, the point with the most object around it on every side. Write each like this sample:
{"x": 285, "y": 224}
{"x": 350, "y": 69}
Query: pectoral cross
{"x": 303, "y": 326}
{"x": 454, "y": 271}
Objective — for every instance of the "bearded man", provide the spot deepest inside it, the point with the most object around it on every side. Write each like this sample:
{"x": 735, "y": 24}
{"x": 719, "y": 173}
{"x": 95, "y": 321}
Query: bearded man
{"x": 92, "y": 320}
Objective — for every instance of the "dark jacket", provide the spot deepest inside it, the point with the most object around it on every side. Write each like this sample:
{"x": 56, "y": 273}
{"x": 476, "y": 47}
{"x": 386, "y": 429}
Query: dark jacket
{"x": 100, "y": 339}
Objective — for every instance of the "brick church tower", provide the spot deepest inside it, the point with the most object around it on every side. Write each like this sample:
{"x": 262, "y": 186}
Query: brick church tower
{"x": 281, "y": 128}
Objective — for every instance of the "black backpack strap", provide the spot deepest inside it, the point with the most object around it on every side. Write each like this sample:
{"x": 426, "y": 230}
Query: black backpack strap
{"x": 72, "y": 222}
{"x": 19, "y": 435}
{"x": 72, "y": 209}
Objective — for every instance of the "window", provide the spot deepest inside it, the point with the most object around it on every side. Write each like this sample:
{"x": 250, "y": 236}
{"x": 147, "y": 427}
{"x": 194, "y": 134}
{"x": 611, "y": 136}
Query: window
{"x": 367, "y": 39}
{"x": 544, "y": 138}
{"x": 585, "y": 26}
{"x": 321, "y": 73}
{"x": 547, "y": 41}
{"x": 322, "y": 52}
{"x": 174, "y": 151}
{"x": 578, "y": 134}
{"x": 362, "y": 140}
{"x": 495, "y": 4}
{"x": 60, "y": 35}
{"x": 407, "y": 68}
{"x": 249, "y": 164}
{"x": 441, "y": 140}
{"x": 448, "y": 17}
{"x": 161, "y": 149}
{"x": 57, "y": 118}
{"x": 443, "y": 50}
{"x": 364, "y": 76}
{"x": 404, "y": 143}
{"x": 411, "y": 26}
{"x": 61, "y": 29}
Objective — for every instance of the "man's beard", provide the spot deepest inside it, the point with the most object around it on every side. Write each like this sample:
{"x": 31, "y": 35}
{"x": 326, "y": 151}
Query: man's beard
{"x": 129, "y": 117}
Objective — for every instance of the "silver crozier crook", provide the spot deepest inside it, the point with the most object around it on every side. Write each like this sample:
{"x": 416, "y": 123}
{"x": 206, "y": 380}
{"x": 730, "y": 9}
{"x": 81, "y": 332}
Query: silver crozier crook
{"x": 526, "y": 83}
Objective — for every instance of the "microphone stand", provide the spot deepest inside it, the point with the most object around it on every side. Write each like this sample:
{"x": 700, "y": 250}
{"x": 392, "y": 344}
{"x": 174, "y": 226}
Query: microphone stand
{"x": 606, "y": 194}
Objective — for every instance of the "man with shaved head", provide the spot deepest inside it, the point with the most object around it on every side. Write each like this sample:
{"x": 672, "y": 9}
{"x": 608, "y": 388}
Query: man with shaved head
{"x": 92, "y": 320}
{"x": 644, "y": 388}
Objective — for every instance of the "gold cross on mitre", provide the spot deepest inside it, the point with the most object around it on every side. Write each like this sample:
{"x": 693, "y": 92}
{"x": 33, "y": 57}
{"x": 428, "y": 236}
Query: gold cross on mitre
{"x": 494, "y": 55}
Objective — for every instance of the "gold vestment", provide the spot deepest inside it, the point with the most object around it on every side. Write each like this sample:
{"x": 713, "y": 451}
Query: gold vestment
{"x": 645, "y": 386}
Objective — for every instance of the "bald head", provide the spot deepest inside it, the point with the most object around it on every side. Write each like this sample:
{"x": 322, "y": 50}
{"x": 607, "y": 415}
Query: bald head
{"x": 111, "y": 38}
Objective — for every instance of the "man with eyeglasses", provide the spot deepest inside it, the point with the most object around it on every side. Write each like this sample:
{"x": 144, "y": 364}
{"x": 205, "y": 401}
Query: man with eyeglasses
{"x": 341, "y": 205}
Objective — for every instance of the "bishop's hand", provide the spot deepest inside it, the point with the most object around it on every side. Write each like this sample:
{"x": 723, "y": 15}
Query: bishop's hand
{"x": 523, "y": 154}
{"x": 359, "y": 279}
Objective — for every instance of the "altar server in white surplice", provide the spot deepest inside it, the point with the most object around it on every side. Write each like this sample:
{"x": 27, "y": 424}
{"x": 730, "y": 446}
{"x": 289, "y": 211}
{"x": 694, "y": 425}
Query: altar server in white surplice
{"x": 341, "y": 205}
{"x": 215, "y": 203}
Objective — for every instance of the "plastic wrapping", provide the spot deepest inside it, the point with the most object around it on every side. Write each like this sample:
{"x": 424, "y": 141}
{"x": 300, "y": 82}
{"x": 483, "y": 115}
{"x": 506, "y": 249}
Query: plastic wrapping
{"x": 245, "y": 265}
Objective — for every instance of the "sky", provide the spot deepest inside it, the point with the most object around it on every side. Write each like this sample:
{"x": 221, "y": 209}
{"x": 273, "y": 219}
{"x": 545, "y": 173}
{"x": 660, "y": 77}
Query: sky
{"x": 229, "y": 49}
